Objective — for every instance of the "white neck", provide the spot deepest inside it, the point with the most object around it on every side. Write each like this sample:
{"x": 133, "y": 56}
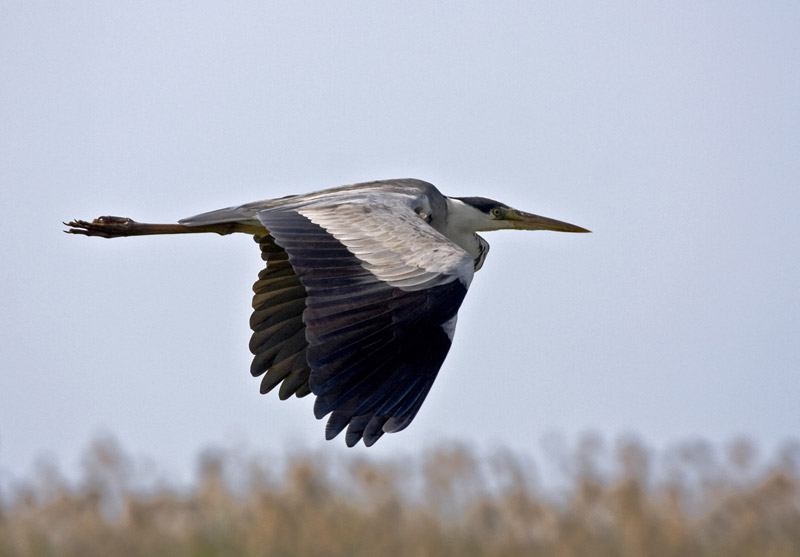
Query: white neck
{"x": 462, "y": 222}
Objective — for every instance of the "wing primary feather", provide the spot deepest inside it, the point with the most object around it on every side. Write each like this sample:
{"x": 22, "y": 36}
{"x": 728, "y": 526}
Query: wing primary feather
{"x": 293, "y": 382}
{"x": 278, "y": 296}
{"x": 279, "y": 313}
{"x": 357, "y": 387}
{"x": 336, "y": 423}
{"x": 356, "y": 429}
{"x": 374, "y": 430}
{"x": 264, "y": 340}
{"x": 303, "y": 390}
{"x": 275, "y": 374}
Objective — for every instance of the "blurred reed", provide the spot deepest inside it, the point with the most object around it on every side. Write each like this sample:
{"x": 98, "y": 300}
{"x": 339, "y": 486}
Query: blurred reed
{"x": 612, "y": 499}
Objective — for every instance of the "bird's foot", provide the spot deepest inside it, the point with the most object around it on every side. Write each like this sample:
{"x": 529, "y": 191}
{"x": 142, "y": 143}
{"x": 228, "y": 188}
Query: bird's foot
{"x": 105, "y": 227}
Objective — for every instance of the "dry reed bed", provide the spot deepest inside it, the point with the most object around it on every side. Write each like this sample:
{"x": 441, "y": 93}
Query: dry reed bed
{"x": 618, "y": 500}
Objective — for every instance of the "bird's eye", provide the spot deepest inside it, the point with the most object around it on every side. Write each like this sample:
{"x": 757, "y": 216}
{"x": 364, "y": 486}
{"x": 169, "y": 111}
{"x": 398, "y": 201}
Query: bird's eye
{"x": 497, "y": 213}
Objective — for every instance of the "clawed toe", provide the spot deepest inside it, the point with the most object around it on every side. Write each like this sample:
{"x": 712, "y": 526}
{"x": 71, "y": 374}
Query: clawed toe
{"x": 105, "y": 227}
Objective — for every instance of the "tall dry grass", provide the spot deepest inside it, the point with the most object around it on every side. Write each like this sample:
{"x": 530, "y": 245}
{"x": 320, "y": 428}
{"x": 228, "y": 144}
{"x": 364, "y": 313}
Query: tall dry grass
{"x": 615, "y": 500}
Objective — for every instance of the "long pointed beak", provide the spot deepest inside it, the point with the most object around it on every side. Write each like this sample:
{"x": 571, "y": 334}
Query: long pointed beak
{"x": 527, "y": 221}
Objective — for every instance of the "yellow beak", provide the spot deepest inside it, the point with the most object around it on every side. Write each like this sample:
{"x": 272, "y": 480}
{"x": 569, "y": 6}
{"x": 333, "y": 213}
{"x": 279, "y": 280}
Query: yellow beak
{"x": 521, "y": 220}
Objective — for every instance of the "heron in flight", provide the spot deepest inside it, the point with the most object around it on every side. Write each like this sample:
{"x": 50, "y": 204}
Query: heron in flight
{"x": 358, "y": 300}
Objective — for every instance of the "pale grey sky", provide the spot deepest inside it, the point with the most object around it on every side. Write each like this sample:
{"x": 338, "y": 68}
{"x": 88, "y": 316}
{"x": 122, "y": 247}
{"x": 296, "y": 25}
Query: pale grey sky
{"x": 670, "y": 130}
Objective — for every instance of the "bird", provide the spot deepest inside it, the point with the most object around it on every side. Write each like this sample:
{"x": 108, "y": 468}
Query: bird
{"x": 359, "y": 298}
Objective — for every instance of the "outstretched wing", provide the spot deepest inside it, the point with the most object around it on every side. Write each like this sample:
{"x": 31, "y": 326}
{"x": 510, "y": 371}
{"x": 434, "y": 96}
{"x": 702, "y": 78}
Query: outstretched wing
{"x": 381, "y": 290}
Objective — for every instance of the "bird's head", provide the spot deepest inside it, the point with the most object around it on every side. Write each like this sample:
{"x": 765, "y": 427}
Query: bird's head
{"x": 482, "y": 215}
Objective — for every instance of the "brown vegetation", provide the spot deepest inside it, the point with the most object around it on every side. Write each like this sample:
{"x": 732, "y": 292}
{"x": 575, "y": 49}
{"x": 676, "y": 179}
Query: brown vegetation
{"x": 618, "y": 501}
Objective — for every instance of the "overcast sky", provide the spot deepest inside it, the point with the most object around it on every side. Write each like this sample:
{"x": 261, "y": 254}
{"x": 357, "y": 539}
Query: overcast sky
{"x": 672, "y": 130}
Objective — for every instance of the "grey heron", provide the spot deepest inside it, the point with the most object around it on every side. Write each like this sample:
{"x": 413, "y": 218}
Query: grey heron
{"x": 359, "y": 297}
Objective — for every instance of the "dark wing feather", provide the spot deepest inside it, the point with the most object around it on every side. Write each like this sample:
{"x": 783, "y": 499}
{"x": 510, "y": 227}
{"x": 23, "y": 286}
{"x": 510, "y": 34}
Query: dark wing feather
{"x": 279, "y": 341}
{"x": 373, "y": 348}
